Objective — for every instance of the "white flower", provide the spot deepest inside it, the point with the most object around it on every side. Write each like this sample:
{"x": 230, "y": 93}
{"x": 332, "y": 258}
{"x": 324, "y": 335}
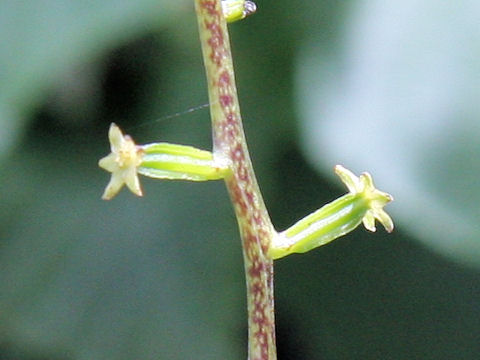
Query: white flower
{"x": 375, "y": 198}
{"x": 122, "y": 162}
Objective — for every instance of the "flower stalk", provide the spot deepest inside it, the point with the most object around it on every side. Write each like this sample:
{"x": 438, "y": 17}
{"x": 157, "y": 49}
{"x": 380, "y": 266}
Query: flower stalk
{"x": 256, "y": 229}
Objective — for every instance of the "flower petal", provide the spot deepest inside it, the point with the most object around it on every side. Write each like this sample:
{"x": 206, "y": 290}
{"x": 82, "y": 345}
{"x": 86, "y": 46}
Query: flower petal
{"x": 115, "y": 184}
{"x": 108, "y": 163}
{"x": 132, "y": 182}
{"x": 349, "y": 179}
{"x": 369, "y": 221}
{"x": 115, "y": 137}
{"x": 384, "y": 219}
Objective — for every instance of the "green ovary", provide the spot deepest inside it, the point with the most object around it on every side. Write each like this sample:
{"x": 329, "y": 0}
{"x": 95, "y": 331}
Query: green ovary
{"x": 181, "y": 170}
{"x": 324, "y": 225}
{"x": 180, "y": 162}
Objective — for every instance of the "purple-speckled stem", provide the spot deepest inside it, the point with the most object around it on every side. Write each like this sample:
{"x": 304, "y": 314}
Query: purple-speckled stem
{"x": 229, "y": 143}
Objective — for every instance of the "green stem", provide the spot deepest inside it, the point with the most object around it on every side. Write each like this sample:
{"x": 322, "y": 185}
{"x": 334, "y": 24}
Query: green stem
{"x": 229, "y": 144}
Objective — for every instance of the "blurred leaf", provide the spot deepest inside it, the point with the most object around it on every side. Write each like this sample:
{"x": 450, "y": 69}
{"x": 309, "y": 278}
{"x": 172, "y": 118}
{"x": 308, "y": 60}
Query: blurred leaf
{"x": 41, "y": 40}
{"x": 104, "y": 280}
{"x": 401, "y": 101}
{"x": 86, "y": 279}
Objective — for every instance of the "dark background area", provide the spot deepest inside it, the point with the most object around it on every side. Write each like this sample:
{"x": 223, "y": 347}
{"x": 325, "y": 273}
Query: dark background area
{"x": 161, "y": 277}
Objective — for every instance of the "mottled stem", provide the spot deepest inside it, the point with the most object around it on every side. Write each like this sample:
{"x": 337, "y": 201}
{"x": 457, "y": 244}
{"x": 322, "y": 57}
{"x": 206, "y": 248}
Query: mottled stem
{"x": 229, "y": 145}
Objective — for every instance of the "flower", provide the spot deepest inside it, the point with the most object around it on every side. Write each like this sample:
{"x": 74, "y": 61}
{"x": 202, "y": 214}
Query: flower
{"x": 362, "y": 204}
{"x": 122, "y": 162}
{"x": 375, "y": 198}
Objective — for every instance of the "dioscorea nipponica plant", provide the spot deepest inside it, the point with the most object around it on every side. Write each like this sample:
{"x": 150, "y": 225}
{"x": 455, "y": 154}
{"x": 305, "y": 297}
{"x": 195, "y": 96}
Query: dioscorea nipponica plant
{"x": 231, "y": 162}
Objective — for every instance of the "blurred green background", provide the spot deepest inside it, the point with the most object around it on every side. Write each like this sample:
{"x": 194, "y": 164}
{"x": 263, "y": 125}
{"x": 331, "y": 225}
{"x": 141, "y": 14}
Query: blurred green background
{"x": 388, "y": 87}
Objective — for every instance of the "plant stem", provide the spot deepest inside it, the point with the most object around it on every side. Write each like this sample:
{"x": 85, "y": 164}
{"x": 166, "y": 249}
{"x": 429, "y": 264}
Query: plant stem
{"x": 229, "y": 144}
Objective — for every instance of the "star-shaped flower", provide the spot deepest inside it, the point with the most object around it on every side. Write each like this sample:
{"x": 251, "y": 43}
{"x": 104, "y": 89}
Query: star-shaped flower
{"x": 376, "y": 199}
{"x": 122, "y": 162}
